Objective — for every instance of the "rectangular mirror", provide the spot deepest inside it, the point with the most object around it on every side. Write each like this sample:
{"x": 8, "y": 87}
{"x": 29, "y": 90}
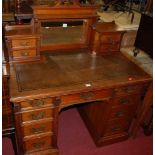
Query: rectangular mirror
{"x": 62, "y": 32}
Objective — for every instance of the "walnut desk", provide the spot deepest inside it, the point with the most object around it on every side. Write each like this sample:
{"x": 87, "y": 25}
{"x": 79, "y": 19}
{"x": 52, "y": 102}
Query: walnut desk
{"x": 107, "y": 90}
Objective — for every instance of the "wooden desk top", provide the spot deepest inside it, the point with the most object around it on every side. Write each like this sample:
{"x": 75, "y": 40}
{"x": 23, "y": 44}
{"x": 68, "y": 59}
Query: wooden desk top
{"x": 70, "y": 72}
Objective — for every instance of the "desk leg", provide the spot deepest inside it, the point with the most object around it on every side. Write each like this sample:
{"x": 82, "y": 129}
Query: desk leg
{"x": 147, "y": 102}
{"x": 56, "y": 102}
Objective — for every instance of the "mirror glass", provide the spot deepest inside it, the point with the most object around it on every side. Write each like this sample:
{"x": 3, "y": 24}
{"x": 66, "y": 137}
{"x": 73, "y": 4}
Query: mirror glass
{"x": 63, "y": 32}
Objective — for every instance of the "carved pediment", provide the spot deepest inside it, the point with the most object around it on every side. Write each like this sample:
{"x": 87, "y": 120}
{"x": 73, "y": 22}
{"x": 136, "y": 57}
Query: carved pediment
{"x": 64, "y": 9}
{"x": 67, "y": 3}
{"x": 63, "y": 3}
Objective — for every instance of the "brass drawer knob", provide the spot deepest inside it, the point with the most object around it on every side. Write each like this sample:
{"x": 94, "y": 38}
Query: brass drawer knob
{"x": 38, "y": 145}
{"x": 119, "y": 114}
{"x": 128, "y": 90}
{"x": 37, "y": 130}
{"x": 124, "y": 101}
{"x": 87, "y": 95}
{"x": 41, "y": 115}
{"x": 116, "y": 128}
{"x": 24, "y": 43}
{"x": 25, "y": 53}
{"x": 125, "y": 90}
{"x": 36, "y": 103}
{"x": 112, "y": 41}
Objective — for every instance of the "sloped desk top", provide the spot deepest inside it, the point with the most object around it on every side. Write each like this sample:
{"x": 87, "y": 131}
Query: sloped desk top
{"x": 63, "y": 73}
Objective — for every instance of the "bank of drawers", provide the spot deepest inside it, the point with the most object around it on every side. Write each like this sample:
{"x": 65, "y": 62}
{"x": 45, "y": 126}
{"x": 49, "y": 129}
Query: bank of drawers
{"x": 107, "y": 38}
{"x": 110, "y": 42}
{"x": 37, "y": 120}
{"x": 23, "y": 48}
{"x": 120, "y": 116}
{"x": 122, "y": 110}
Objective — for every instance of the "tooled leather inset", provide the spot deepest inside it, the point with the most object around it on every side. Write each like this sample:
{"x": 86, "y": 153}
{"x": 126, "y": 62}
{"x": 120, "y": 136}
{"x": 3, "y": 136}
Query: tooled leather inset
{"x": 64, "y": 70}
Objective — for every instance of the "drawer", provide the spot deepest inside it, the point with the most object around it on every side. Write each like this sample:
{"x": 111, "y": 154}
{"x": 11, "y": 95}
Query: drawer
{"x": 116, "y": 127}
{"x": 123, "y": 112}
{"x": 109, "y": 47}
{"x": 126, "y": 100}
{"x": 38, "y": 114}
{"x": 111, "y": 38}
{"x": 38, "y": 143}
{"x": 41, "y": 126}
{"x": 36, "y": 103}
{"x": 23, "y": 43}
{"x": 86, "y": 96}
{"x": 24, "y": 53}
{"x": 126, "y": 90}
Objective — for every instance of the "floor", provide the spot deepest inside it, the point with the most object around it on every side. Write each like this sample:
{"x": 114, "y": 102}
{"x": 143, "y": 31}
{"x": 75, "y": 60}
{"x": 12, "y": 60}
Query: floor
{"x": 142, "y": 59}
{"x": 122, "y": 19}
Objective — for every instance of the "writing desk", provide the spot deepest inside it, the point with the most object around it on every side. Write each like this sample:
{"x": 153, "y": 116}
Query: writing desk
{"x": 107, "y": 89}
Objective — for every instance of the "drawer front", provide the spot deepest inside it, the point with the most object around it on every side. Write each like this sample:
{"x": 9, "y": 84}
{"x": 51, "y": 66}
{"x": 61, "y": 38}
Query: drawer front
{"x": 125, "y": 101}
{"x": 111, "y": 38}
{"x": 126, "y": 90}
{"x": 37, "y": 114}
{"x": 86, "y": 96}
{"x": 38, "y": 143}
{"x": 24, "y": 53}
{"x": 22, "y": 43}
{"x": 36, "y": 103}
{"x": 109, "y": 47}
{"x": 116, "y": 127}
{"x": 122, "y": 112}
{"x": 38, "y": 127}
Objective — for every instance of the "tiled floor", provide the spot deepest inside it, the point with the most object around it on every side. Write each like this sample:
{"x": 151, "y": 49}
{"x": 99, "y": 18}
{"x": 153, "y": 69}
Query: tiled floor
{"x": 122, "y": 19}
{"x": 142, "y": 59}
